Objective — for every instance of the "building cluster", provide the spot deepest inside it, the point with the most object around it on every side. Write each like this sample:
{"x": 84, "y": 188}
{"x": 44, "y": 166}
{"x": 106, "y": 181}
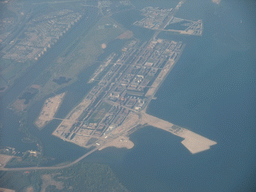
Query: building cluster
{"x": 162, "y": 19}
{"x": 154, "y": 17}
{"x": 186, "y": 26}
{"x": 196, "y": 28}
{"x": 40, "y": 33}
{"x": 121, "y": 90}
{"x": 108, "y": 6}
{"x": 6, "y": 25}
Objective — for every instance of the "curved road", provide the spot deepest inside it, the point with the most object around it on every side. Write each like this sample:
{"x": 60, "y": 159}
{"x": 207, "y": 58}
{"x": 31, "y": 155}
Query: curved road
{"x": 56, "y": 167}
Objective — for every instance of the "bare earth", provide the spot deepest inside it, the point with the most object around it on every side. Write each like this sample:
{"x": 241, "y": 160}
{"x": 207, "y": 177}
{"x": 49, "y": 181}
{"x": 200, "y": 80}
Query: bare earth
{"x": 120, "y": 142}
{"x": 194, "y": 142}
{"x": 72, "y": 117}
{"x": 216, "y": 1}
{"x": 126, "y": 35}
{"x": 48, "y": 180}
{"x": 103, "y": 46}
{"x": 131, "y": 121}
{"x": 4, "y": 160}
{"x": 50, "y": 108}
{"x": 6, "y": 190}
{"x": 20, "y": 105}
{"x": 30, "y": 189}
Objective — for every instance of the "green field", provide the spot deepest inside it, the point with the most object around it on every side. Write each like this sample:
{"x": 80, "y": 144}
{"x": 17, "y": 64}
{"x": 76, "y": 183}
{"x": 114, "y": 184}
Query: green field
{"x": 11, "y": 70}
{"x": 80, "y": 177}
{"x": 82, "y": 53}
{"x": 77, "y": 56}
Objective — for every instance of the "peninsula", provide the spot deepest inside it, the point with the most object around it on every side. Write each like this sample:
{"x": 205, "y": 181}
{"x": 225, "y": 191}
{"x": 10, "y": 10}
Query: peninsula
{"x": 50, "y": 108}
{"x": 116, "y": 106}
{"x": 124, "y": 85}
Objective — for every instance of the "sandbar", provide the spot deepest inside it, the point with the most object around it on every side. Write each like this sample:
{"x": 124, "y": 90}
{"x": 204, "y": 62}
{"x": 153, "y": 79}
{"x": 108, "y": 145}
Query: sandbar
{"x": 216, "y": 1}
{"x": 194, "y": 142}
{"x": 119, "y": 142}
{"x": 51, "y": 106}
{"x": 6, "y": 190}
{"x": 126, "y": 35}
{"x": 4, "y": 159}
{"x": 103, "y": 46}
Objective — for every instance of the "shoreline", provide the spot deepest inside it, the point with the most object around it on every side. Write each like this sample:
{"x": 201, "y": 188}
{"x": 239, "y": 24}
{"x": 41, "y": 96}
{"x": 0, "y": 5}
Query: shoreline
{"x": 119, "y": 142}
{"x": 50, "y": 108}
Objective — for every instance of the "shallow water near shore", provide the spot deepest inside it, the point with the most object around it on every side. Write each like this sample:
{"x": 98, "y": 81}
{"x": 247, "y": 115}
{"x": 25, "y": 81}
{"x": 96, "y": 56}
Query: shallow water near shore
{"x": 211, "y": 91}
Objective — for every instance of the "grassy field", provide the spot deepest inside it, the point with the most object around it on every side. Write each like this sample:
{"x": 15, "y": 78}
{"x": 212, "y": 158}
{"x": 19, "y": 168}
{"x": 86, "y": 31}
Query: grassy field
{"x": 82, "y": 53}
{"x": 77, "y": 56}
{"x": 11, "y": 70}
{"x": 80, "y": 177}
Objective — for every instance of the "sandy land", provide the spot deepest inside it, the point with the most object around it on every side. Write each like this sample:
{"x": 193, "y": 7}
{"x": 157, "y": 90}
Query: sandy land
{"x": 51, "y": 106}
{"x": 120, "y": 142}
{"x": 71, "y": 118}
{"x": 131, "y": 121}
{"x": 30, "y": 189}
{"x": 48, "y": 180}
{"x": 6, "y": 190}
{"x": 189, "y": 32}
{"x": 35, "y": 86}
{"x": 4, "y": 160}
{"x": 103, "y": 46}
{"x": 19, "y": 104}
{"x": 194, "y": 142}
{"x": 126, "y": 35}
{"x": 216, "y": 1}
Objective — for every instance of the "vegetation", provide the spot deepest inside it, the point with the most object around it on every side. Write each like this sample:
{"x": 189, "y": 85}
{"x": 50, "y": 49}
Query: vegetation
{"x": 11, "y": 70}
{"x": 82, "y": 53}
{"x": 27, "y": 158}
{"x": 80, "y": 177}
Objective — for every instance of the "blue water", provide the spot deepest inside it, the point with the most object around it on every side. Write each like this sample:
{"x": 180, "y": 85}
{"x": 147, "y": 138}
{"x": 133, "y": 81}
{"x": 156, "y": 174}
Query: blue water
{"x": 9, "y": 134}
{"x": 211, "y": 91}
{"x": 54, "y": 147}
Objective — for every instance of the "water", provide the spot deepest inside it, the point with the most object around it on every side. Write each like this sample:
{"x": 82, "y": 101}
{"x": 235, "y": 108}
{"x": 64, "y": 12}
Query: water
{"x": 127, "y": 18}
{"x": 211, "y": 91}
{"x": 54, "y": 147}
{"x": 10, "y": 121}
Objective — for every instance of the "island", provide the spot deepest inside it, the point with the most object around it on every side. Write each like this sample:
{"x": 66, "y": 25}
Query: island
{"x": 50, "y": 108}
{"x": 116, "y": 106}
{"x": 123, "y": 86}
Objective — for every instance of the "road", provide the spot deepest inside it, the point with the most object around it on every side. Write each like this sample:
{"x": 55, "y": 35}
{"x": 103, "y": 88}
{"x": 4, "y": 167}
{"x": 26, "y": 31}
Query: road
{"x": 192, "y": 140}
{"x": 50, "y": 168}
{"x": 168, "y": 18}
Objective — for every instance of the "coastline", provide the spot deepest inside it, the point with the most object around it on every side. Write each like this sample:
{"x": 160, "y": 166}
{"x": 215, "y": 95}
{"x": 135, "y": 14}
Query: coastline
{"x": 120, "y": 142}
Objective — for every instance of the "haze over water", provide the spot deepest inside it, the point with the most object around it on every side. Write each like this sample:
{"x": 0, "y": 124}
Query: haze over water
{"x": 211, "y": 91}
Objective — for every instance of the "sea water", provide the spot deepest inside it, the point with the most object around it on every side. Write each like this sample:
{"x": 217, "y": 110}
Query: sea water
{"x": 210, "y": 91}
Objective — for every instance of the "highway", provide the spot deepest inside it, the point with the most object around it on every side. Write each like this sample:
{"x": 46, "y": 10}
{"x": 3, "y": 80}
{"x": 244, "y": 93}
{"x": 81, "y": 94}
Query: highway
{"x": 192, "y": 141}
{"x": 168, "y": 18}
{"x": 51, "y": 168}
